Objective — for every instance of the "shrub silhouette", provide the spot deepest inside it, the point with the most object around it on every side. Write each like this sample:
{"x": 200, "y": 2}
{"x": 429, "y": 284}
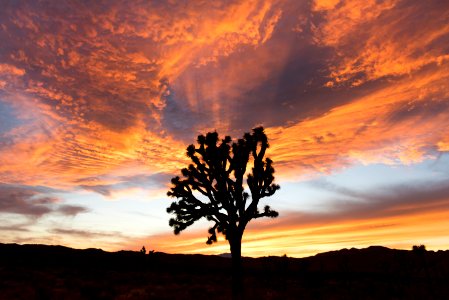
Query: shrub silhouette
{"x": 143, "y": 250}
{"x": 419, "y": 249}
{"x": 212, "y": 188}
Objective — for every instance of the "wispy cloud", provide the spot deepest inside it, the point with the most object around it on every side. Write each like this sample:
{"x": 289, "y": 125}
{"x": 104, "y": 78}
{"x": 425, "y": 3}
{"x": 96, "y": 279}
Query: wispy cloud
{"x": 85, "y": 233}
{"x": 32, "y": 202}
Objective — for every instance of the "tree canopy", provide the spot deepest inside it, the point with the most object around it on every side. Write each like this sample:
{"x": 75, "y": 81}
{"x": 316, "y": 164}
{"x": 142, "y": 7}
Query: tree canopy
{"x": 213, "y": 185}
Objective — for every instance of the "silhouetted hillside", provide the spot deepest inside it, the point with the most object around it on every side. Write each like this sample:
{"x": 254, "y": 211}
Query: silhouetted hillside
{"x": 56, "y": 272}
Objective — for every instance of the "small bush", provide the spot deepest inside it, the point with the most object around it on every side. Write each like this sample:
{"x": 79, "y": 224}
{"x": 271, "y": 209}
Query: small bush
{"x": 419, "y": 249}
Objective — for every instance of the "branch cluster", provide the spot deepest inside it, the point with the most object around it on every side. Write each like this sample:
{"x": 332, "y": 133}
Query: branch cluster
{"x": 212, "y": 186}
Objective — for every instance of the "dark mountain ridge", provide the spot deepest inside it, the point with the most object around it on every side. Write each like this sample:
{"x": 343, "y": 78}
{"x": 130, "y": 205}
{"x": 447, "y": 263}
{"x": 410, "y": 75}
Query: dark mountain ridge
{"x": 58, "y": 272}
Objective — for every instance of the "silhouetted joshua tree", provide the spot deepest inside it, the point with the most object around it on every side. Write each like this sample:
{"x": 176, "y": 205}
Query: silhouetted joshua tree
{"x": 212, "y": 188}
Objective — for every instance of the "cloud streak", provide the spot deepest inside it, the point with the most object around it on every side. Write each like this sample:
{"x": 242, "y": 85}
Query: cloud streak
{"x": 33, "y": 203}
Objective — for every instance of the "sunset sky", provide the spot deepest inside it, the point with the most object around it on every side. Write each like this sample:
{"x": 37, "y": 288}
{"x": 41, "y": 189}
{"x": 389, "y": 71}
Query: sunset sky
{"x": 99, "y": 100}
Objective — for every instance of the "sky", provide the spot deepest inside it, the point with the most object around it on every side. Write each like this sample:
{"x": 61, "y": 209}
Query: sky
{"x": 99, "y": 100}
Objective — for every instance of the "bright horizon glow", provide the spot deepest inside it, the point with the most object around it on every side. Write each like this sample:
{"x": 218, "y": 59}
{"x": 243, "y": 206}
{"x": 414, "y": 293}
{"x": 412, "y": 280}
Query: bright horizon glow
{"x": 98, "y": 103}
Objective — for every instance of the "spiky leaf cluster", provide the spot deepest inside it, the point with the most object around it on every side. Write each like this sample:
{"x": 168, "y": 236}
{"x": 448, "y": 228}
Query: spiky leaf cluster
{"x": 212, "y": 186}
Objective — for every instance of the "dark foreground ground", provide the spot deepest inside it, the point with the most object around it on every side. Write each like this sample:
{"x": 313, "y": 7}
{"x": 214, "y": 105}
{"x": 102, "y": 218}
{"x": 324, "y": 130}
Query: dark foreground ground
{"x": 55, "y": 272}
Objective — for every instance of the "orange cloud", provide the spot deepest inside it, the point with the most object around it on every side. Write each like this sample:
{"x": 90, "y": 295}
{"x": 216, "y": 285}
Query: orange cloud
{"x": 319, "y": 5}
{"x": 95, "y": 99}
{"x": 100, "y": 105}
{"x": 11, "y": 70}
{"x": 65, "y": 157}
{"x": 398, "y": 124}
{"x": 375, "y": 39}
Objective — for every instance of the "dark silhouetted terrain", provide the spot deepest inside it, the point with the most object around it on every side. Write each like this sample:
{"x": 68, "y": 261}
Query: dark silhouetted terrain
{"x": 56, "y": 272}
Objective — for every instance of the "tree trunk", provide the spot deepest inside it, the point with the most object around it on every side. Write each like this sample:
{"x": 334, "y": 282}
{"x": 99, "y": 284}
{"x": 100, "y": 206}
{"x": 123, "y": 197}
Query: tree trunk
{"x": 237, "y": 276}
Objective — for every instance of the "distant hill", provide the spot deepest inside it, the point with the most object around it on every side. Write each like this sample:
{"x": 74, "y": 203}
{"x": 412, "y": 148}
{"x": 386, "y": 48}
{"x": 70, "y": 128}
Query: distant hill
{"x": 226, "y": 255}
{"x": 57, "y": 272}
